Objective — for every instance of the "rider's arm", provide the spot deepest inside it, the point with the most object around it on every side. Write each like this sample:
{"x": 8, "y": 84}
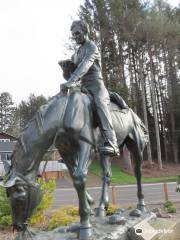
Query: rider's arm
{"x": 91, "y": 53}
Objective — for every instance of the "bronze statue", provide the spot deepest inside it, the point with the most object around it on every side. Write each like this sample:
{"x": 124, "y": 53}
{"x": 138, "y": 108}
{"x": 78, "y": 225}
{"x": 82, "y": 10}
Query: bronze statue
{"x": 88, "y": 74}
{"x": 68, "y": 121}
{"x": 75, "y": 141}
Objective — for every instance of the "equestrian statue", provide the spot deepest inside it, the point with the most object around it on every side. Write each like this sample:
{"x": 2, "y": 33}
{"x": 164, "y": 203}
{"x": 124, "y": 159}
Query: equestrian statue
{"x": 80, "y": 120}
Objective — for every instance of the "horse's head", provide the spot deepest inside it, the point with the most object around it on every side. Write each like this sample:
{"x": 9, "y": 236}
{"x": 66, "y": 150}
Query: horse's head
{"x": 23, "y": 193}
{"x": 23, "y": 196}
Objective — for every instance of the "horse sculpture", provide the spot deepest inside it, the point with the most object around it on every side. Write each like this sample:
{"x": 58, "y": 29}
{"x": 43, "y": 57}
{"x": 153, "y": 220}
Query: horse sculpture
{"x": 67, "y": 121}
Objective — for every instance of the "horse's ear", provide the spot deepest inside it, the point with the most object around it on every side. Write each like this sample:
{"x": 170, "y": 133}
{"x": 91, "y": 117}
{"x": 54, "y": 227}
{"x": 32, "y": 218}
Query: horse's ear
{"x": 1, "y": 181}
{"x": 6, "y": 165}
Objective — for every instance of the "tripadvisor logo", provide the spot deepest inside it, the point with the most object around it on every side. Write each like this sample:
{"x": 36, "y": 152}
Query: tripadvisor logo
{"x": 138, "y": 231}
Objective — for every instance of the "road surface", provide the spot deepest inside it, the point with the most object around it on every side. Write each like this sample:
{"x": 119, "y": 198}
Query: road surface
{"x": 125, "y": 195}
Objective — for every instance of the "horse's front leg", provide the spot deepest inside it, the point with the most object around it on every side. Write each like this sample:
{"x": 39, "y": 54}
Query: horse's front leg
{"x": 178, "y": 184}
{"x": 79, "y": 180}
{"x": 106, "y": 178}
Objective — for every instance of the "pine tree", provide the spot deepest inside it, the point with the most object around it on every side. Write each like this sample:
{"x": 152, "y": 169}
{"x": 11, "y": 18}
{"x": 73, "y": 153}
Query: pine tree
{"x": 27, "y": 109}
{"x": 128, "y": 30}
{"x": 7, "y": 111}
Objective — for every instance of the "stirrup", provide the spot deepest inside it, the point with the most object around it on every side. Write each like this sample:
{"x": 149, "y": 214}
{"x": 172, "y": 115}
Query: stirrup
{"x": 109, "y": 149}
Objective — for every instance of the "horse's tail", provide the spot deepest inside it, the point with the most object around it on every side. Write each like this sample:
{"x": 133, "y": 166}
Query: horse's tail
{"x": 140, "y": 126}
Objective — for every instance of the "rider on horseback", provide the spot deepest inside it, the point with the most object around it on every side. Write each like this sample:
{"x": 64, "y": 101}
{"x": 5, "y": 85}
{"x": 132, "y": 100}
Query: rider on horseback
{"x": 88, "y": 73}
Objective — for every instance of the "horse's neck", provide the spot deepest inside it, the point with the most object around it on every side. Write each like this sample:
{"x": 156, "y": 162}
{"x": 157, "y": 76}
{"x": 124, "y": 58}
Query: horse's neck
{"x": 38, "y": 135}
{"x": 50, "y": 115}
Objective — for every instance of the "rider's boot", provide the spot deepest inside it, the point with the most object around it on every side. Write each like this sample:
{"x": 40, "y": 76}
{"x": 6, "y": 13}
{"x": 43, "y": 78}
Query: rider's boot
{"x": 110, "y": 146}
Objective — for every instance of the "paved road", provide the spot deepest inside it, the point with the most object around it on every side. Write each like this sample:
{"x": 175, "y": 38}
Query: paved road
{"x": 125, "y": 195}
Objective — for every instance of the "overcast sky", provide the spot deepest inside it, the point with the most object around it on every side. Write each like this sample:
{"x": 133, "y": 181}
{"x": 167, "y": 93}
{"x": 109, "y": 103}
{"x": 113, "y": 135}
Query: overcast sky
{"x": 32, "y": 37}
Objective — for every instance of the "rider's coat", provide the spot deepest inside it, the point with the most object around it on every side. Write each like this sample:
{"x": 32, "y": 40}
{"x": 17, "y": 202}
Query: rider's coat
{"x": 87, "y": 58}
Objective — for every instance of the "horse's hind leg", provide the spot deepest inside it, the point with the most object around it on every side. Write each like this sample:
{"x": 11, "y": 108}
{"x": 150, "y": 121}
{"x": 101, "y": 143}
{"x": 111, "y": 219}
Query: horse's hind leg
{"x": 106, "y": 179}
{"x": 137, "y": 150}
{"x": 137, "y": 171}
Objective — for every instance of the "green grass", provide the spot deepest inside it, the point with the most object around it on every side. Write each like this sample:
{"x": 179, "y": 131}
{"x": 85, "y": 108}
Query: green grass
{"x": 121, "y": 177}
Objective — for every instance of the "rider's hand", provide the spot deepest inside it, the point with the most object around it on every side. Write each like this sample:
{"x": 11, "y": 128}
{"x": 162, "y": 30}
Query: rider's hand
{"x": 63, "y": 88}
{"x": 70, "y": 84}
{"x": 67, "y": 85}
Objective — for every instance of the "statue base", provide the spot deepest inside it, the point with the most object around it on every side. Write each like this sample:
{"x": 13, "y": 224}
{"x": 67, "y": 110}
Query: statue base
{"x": 119, "y": 226}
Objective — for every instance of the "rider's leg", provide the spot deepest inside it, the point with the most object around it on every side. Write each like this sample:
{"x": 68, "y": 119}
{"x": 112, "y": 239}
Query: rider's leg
{"x": 101, "y": 103}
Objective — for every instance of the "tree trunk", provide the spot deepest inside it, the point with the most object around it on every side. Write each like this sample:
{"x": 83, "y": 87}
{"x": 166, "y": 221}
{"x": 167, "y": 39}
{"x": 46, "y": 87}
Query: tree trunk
{"x": 132, "y": 87}
{"x": 171, "y": 89}
{"x": 152, "y": 71}
{"x": 174, "y": 145}
{"x": 142, "y": 81}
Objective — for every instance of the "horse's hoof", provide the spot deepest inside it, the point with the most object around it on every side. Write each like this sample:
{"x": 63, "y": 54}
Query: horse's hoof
{"x": 135, "y": 213}
{"x": 92, "y": 212}
{"x": 117, "y": 219}
{"x": 25, "y": 235}
{"x": 141, "y": 207}
{"x": 75, "y": 227}
{"x": 100, "y": 212}
{"x": 85, "y": 233}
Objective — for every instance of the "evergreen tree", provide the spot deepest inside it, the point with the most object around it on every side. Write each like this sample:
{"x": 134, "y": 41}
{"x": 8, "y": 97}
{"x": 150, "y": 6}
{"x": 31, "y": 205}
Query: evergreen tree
{"x": 7, "y": 111}
{"x": 140, "y": 55}
{"x": 27, "y": 109}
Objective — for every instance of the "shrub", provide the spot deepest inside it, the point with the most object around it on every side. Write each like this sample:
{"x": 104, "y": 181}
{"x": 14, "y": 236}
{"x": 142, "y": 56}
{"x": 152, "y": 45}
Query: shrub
{"x": 47, "y": 200}
{"x": 112, "y": 209}
{"x": 4, "y": 206}
{"x": 5, "y": 210}
{"x": 5, "y": 221}
{"x": 129, "y": 207}
{"x": 167, "y": 204}
{"x": 63, "y": 217}
{"x": 170, "y": 207}
{"x": 71, "y": 210}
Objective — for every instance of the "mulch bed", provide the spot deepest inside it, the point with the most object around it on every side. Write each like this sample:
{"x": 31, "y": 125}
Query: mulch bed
{"x": 153, "y": 171}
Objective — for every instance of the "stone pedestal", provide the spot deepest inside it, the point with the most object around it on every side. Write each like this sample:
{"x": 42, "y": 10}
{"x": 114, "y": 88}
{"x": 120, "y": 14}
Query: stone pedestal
{"x": 120, "y": 226}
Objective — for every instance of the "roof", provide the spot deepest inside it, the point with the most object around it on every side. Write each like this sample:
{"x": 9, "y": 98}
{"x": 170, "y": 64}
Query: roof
{"x": 7, "y": 146}
{"x": 6, "y": 135}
